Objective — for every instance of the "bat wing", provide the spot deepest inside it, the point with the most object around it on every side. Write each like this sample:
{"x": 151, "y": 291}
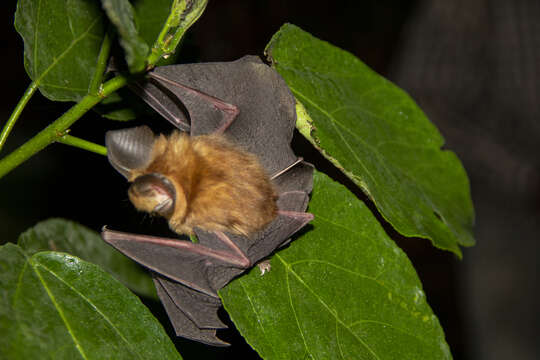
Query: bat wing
{"x": 267, "y": 115}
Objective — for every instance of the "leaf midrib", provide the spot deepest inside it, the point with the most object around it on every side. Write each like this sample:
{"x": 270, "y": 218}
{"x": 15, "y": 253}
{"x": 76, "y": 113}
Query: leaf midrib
{"x": 60, "y": 312}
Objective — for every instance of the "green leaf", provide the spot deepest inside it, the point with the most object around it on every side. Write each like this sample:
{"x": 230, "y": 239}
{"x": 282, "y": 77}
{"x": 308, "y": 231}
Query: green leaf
{"x": 123, "y": 105}
{"x": 75, "y": 239}
{"x": 375, "y": 133}
{"x": 57, "y": 306}
{"x": 114, "y": 107}
{"x": 343, "y": 290}
{"x": 151, "y": 16}
{"x": 62, "y": 41}
{"x": 120, "y": 13}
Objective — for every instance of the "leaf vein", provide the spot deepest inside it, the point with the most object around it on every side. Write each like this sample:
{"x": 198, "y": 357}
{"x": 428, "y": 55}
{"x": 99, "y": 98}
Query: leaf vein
{"x": 63, "y": 87}
{"x": 256, "y": 313}
{"x": 339, "y": 341}
{"x": 293, "y": 310}
{"x": 393, "y": 327}
{"x": 36, "y": 36}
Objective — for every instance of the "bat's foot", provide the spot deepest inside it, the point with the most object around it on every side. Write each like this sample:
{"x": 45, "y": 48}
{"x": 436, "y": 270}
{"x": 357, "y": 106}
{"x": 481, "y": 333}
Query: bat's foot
{"x": 264, "y": 266}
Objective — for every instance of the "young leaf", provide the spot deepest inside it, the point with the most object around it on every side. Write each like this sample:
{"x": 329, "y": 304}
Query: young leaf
{"x": 183, "y": 14}
{"x": 62, "y": 41}
{"x": 75, "y": 239}
{"x": 151, "y": 16}
{"x": 375, "y": 133}
{"x": 57, "y": 306}
{"x": 120, "y": 13}
{"x": 342, "y": 290}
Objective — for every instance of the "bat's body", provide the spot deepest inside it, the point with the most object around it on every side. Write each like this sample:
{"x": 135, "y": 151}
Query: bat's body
{"x": 217, "y": 186}
{"x": 234, "y": 182}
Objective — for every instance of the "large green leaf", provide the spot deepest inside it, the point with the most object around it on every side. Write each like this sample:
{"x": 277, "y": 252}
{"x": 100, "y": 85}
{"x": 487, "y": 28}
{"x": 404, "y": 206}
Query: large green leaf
{"x": 62, "y": 41}
{"x": 379, "y": 137}
{"x": 75, "y": 239}
{"x": 56, "y": 306}
{"x": 120, "y": 13}
{"x": 343, "y": 290}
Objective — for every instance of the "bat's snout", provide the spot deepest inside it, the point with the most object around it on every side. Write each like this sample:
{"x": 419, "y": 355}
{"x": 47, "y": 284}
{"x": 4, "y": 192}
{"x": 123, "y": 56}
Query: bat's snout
{"x": 153, "y": 193}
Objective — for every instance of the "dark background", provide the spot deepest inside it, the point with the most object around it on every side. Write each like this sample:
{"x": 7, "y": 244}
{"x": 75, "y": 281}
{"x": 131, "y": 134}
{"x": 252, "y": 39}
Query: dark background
{"x": 473, "y": 66}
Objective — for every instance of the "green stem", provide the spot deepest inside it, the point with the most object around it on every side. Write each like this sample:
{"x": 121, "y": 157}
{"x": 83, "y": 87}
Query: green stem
{"x": 16, "y": 113}
{"x": 102, "y": 61}
{"x": 58, "y": 128}
{"x": 82, "y": 144}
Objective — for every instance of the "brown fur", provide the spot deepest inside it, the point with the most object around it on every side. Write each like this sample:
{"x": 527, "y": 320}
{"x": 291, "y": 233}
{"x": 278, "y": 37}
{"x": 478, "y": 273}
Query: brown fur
{"x": 219, "y": 187}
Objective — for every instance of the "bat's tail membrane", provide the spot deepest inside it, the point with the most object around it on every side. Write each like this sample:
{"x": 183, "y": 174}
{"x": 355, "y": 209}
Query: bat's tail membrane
{"x": 192, "y": 314}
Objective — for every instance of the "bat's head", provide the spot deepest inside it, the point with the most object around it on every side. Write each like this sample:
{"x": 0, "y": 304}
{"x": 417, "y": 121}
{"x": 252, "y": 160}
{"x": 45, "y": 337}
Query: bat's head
{"x": 153, "y": 193}
{"x": 130, "y": 152}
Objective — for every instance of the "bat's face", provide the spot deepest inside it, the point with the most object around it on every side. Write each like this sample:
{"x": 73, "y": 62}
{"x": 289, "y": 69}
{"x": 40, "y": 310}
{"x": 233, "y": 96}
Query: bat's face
{"x": 153, "y": 193}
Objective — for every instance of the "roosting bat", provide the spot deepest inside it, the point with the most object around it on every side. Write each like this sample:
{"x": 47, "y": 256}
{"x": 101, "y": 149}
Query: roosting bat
{"x": 234, "y": 182}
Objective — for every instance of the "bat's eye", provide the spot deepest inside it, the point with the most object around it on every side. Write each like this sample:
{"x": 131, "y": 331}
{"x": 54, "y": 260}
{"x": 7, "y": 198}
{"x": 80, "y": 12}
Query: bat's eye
{"x": 153, "y": 193}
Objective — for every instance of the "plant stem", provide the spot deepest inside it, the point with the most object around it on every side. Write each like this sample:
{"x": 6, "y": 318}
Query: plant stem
{"x": 16, "y": 113}
{"x": 82, "y": 144}
{"x": 101, "y": 65}
{"x": 58, "y": 128}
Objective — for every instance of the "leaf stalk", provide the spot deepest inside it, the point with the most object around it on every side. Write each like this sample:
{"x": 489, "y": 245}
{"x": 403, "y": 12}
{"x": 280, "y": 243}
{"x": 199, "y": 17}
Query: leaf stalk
{"x": 82, "y": 144}
{"x": 16, "y": 113}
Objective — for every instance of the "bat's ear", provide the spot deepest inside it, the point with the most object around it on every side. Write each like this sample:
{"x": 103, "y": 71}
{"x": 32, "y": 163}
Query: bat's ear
{"x": 129, "y": 149}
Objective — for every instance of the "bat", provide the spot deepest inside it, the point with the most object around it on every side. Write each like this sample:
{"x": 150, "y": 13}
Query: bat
{"x": 234, "y": 182}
